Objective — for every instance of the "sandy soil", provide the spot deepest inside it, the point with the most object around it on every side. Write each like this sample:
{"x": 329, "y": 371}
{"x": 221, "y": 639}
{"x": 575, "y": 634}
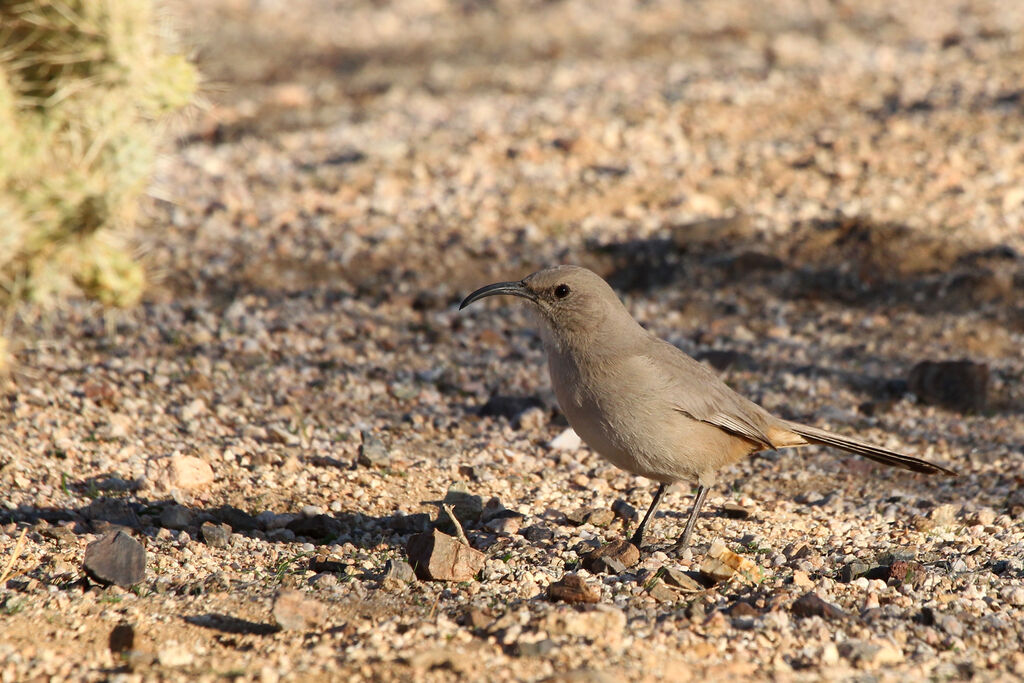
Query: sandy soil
{"x": 814, "y": 198}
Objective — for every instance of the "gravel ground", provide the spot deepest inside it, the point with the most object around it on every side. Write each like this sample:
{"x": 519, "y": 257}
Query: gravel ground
{"x": 814, "y": 199}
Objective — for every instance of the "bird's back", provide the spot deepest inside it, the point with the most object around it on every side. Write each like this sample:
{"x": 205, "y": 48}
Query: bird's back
{"x": 695, "y": 390}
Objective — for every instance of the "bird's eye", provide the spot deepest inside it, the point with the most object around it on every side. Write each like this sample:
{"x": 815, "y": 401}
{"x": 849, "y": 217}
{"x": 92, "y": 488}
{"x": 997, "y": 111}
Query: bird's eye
{"x": 562, "y": 291}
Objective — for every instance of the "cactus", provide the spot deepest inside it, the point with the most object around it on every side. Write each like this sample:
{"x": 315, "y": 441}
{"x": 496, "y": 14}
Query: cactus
{"x": 84, "y": 85}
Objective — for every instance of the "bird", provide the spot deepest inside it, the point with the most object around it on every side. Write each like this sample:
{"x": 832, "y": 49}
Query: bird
{"x": 646, "y": 406}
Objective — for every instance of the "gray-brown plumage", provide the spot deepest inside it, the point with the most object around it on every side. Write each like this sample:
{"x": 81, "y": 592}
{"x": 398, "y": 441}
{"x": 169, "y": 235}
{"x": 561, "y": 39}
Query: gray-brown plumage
{"x": 646, "y": 406}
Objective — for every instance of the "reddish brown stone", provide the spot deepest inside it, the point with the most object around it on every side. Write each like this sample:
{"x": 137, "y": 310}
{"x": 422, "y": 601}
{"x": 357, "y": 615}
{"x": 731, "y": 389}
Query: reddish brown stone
{"x": 612, "y": 558}
{"x": 572, "y": 588}
{"x": 436, "y": 556}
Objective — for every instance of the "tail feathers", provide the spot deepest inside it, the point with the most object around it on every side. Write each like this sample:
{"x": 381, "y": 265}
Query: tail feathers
{"x": 862, "y": 448}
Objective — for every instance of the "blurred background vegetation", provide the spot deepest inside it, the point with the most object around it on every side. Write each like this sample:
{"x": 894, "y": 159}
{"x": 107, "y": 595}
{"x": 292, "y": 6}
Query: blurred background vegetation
{"x": 85, "y": 86}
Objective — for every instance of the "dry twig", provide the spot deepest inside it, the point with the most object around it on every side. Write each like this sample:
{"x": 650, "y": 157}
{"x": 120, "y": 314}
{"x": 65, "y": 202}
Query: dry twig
{"x": 14, "y": 556}
{"x": 459, "y": 533}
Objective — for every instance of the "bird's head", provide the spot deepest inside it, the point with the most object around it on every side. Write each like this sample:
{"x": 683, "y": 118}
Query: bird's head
{"x": 573, "y": 301}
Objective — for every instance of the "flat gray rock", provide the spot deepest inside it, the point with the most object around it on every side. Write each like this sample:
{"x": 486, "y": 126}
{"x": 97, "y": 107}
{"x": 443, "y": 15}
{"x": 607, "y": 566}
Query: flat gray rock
{"x": 117, "y": 558}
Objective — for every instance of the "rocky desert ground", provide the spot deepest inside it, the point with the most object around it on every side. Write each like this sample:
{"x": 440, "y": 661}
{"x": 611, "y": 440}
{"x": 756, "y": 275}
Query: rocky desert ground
{"x": 822, "y": 200}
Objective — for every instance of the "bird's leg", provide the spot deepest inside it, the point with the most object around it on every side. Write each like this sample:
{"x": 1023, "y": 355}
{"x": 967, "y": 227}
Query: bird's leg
{"x": 638, "y": 536}
{"x": 698, "y": 501}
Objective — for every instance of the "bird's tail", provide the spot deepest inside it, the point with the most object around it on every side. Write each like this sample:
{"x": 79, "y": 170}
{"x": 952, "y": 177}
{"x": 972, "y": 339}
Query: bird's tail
{"x": 872, "y": 452}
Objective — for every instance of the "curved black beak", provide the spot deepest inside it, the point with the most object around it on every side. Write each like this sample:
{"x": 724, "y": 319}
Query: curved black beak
{"x": 513, "y": 288}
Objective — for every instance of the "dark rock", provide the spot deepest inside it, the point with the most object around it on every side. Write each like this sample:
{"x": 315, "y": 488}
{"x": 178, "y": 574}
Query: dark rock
{"x": 426, "y": 300}
{"x": 722, "y": 360}
{"x": 853, "y": 570}
{"x": 797, "y": 551}
{"x": 625, "y": 511}
{"x": 117, "y": 558}
{"x": 875, "y": 408}
{"x": 613, "y": 558}
{"x": 436, "y": 556}
{"x": 373, "y": 452}
{"x": 564, "y": 144}
{"x": 572, "y": 588}
{"x": 238, "y": 520}
{"x": 891, "y": 569}
{"x": 741, "y": 608}
{"x": 475, "y": 473}
{"x": 957, "y": 385}
{"x": 596, "y": 516}
{"x": 537, "y": 533}
{"x": 399, "y": 571}
{"x": 743, "y": 623}
{"x": 216, "y": 535}
{"x": 576, "y": 517}
{"x": 319, "y": 527}
{"x": 122, "y": 638}
{"x": 880, "y": 572}
{"x": 734, "y": 511}
{"x": 1010, "y": 567}
{"x": 509, "y": 407}
{"x": 894, "y": 388}
{"x": 295, "y": 611}
{"x": 810, "y": 605}
{"x": 322, "y": 563}
{"x": 176, "y": 517}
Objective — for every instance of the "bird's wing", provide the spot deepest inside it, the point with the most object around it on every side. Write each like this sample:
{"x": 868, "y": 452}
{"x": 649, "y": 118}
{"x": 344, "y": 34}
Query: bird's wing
{"x": 700, "y": 394}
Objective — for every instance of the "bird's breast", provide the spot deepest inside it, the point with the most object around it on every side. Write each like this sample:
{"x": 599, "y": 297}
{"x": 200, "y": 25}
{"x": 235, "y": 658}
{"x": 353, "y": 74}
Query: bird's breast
{"x": 620, "y": 409}
{"x": 596, "y": 402}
